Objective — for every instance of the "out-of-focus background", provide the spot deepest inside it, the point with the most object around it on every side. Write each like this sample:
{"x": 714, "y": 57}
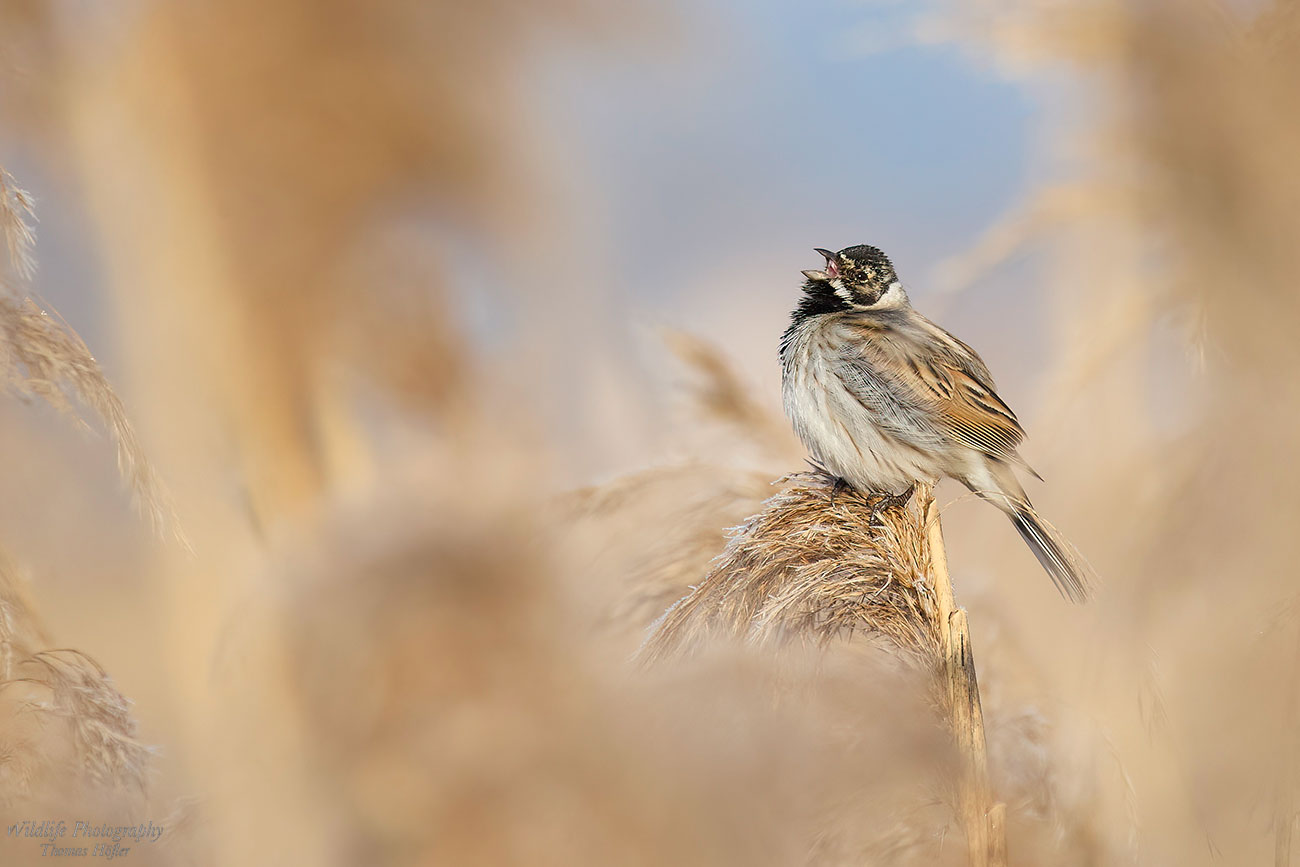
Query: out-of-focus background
{"x": 443, "y": 339}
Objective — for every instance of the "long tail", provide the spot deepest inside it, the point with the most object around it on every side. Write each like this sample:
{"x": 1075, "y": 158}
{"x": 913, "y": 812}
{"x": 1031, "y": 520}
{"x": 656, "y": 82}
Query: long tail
{"x": 1061, "y": 564}
{"x": 998, "y": 484}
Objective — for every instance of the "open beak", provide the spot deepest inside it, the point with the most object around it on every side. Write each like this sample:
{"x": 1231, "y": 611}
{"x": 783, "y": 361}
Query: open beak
{"x": 830, "y": 272}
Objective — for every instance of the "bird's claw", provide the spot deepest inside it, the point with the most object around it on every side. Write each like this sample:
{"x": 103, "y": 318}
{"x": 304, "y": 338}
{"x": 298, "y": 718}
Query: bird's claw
{"x": 890, "y": 501}
{"x": 839, "y": 487}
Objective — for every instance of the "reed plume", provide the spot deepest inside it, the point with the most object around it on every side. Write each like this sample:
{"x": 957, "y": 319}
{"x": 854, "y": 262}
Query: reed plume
{"x": 41, "y": 356}
{"x": 67, "y": 735}
{"x": 816, "y": 564}
{"x": 66, "y": 732}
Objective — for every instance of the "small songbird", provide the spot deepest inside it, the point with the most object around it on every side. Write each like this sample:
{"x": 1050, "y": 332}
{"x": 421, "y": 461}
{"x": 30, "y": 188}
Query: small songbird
{"x": 883, "y": 398}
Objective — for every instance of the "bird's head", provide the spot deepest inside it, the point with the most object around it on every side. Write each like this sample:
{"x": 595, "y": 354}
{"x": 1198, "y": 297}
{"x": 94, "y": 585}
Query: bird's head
{"x": 861, "y": 276}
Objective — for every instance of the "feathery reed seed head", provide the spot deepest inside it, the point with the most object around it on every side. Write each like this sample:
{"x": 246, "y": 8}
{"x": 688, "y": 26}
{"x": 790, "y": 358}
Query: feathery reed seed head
{"x": 816, "y": 564}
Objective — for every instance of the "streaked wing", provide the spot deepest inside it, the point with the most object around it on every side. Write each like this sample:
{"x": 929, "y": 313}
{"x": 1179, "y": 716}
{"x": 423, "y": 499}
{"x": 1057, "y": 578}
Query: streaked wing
{"x": 938, "y": 388}
{"x": 894, "y": 407}
{"x": 976, "y": 416}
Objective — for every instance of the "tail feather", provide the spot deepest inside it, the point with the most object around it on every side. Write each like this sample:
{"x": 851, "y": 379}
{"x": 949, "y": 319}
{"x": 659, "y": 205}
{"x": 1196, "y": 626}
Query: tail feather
{"x": 1061, "y": 564}
{"x": 995, "y": 482}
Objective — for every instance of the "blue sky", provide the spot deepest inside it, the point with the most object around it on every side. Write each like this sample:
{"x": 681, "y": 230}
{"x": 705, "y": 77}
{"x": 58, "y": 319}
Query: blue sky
{"x": 767, "y": 124}
{"x": 698, "y": 159}
{"x": 713, "y": 154}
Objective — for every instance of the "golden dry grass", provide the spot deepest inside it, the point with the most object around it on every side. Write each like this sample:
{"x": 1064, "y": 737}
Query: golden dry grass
{"x": 1175, "y": 270}
{"x": 41, "y": 356}
{"x": 393, "y": 645}
{"x": 815, "y": 565}
{"x": 623, "y": 577}
{"x": 68, "y": 735}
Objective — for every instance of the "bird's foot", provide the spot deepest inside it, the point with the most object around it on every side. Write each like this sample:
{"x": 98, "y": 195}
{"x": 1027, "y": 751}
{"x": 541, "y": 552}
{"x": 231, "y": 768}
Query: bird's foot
{"x": 899, "y": 500}
{"x": 839, "y": 487}
{"x": 891, "y": 501}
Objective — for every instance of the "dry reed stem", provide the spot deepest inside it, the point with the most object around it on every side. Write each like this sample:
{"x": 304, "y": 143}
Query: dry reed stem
{"x": 821, "y": 565}
{"x": 985, "y": 828}
{"x": 998, "y": 834}
{"x": 1284, "y": 811}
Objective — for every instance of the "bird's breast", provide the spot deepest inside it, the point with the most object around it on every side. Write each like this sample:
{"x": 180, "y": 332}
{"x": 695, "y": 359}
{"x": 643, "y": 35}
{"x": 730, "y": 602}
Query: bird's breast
{"x": 842, "y": 434}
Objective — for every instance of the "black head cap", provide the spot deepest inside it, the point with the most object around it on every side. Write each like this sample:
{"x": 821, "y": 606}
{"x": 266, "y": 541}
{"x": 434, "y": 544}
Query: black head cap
{"x": 861, "y": 275}
{"x": 864, "y": 268}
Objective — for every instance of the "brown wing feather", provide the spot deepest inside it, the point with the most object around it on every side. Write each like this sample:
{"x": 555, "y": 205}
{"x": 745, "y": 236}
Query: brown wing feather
{"x": 948, "y": 376}
{"x": 977, "y": 416}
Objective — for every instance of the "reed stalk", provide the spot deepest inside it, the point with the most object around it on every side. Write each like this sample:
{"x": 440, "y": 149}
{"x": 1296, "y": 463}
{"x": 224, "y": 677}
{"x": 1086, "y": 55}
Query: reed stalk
{"x": 1284, "y": 810}
{"x": 983, "y": 821}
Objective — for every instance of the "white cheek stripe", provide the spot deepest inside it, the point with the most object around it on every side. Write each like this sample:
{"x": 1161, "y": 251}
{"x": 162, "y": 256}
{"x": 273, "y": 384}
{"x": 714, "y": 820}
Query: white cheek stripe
{"x": 842, "y": 290}
{"x": 891, "y": 297}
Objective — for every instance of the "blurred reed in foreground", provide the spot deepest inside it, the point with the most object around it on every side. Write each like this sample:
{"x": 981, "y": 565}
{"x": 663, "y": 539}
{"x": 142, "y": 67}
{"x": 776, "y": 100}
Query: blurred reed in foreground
{"x": 1175, "y": 269}
{"x": 392, "y": 645}
{"x": 67, "y": 736}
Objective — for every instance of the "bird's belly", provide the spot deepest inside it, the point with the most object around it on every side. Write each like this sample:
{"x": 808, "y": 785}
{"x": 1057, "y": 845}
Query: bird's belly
{"x": 843, "y": 436}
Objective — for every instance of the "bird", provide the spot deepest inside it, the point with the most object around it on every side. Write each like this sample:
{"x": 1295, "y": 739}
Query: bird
{"x": 884, "y": 399}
